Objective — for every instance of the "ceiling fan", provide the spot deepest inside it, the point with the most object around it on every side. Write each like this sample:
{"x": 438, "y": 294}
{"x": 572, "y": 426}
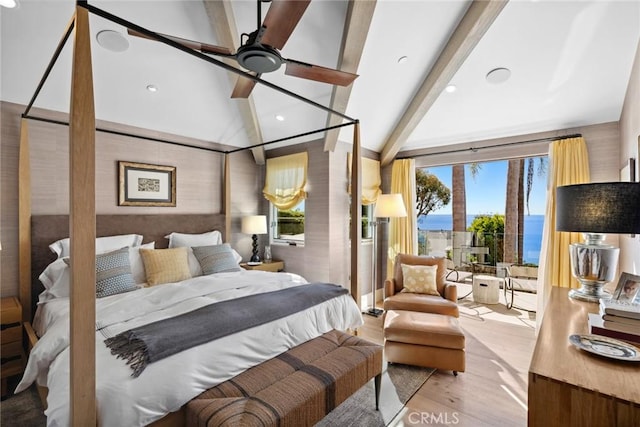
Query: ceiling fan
{"x": 260, "y": 50}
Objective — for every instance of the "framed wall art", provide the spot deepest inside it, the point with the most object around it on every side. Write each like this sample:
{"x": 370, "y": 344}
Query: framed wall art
{"x": 142, "y": 184}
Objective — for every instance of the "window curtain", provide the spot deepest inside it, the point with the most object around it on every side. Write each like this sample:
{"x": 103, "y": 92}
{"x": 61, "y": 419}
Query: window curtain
{"x": 371, "y": 180}
{"x": 403, "y": 234}
{"x": 568, "y": 164}
{"x": 285, "y": 180}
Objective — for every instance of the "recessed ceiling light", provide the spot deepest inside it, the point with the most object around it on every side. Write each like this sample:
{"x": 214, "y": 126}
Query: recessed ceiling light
{"x": 403, "y": 59}
{"x": 280, "y": 118}
{"x": 8, "y": 3}
{"x": 112, "y": 40}
{"x": 498, "y": 75}
{"x": 450, "y": 88}
{"x": 152, "y": 88}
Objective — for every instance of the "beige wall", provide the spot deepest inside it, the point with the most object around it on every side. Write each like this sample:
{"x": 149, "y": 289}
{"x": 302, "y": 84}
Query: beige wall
{"x": 199, "y": 180}
{"x": 629, "y": 148}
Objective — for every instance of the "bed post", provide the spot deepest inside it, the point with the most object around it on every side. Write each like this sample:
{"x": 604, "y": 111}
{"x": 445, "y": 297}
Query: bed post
{"x": 356, "y": 214}
{"x": 227, "y": 198}
{"x": 82, "y": 227}
{"x": 24, "y": 221}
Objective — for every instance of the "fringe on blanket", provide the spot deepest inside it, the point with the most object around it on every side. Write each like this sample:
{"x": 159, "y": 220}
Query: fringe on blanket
{"x": 133, "y": 350}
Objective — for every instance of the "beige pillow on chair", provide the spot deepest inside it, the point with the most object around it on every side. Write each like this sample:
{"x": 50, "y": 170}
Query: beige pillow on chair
{"x": 420, "y": 279}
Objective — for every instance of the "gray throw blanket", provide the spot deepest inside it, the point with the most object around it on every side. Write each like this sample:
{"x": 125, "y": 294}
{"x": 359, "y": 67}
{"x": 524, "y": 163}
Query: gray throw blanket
{"x": 154, "y": 341}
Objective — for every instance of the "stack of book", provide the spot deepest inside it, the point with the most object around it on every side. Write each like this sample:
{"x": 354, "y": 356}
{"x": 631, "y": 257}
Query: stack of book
{"x": 619, "y": 320}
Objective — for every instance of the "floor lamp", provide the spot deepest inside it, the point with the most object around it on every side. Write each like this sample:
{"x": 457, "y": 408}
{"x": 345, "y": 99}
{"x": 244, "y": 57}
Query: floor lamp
{"x": 387, "y": 206}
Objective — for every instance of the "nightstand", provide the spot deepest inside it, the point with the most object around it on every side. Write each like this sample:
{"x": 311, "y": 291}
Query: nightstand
{"x": 274, "y": 266}
{"x": 11, "y": 337}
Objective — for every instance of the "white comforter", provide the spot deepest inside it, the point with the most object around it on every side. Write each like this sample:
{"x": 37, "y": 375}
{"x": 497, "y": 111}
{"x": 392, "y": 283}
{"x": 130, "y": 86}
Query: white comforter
{"x": 166, "y": 385}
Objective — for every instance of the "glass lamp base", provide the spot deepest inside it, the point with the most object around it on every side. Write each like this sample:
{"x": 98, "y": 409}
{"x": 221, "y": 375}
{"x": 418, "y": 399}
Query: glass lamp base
{"x": 589, "y": 293}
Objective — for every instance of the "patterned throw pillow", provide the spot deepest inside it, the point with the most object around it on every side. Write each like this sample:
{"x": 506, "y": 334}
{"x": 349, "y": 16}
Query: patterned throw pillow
{"x": 113, "y": 273}
{"x": 420, "y": 279}
{"x": 165, "y": 265}
{"x": 216, "y": 258}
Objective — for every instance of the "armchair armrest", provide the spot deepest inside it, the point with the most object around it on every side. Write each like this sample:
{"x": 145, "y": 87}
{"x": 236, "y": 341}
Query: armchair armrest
{"x": 451, "y": 292}
{"x": 389, "y": 287}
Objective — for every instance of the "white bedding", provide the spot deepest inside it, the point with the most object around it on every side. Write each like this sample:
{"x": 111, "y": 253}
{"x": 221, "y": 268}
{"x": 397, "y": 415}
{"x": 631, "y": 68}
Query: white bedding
{"x": 166, "y": 385}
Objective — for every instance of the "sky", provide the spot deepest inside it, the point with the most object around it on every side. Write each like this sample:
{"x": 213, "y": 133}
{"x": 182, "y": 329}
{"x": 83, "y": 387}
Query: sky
{"x": 486, "y": 192}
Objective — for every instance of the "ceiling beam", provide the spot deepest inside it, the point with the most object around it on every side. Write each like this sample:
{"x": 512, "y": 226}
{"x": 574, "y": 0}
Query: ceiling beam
{"x": 475, "y": 23}
{"x": 220, "y": 13}
{"x": 354, "y": 36}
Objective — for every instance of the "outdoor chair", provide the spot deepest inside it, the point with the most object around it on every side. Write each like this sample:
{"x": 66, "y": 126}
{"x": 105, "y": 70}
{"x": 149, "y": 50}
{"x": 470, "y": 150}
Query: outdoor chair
{"x": 520, "y": 276}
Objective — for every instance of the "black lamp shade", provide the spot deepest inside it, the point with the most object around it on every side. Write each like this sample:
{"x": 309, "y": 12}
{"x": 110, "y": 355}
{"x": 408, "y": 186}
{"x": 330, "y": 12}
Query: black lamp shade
{"x": 603, "y": 207}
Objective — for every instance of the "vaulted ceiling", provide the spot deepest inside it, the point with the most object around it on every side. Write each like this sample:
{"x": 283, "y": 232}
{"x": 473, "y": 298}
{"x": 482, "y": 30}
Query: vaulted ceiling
{"x": 569, "y": 64}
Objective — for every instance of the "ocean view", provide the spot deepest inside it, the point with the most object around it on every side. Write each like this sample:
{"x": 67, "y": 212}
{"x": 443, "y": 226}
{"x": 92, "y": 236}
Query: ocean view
{"x": 533, "y": 225}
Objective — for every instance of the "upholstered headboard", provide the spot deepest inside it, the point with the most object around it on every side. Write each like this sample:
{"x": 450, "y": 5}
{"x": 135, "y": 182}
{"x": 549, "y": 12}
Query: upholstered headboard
{"x": 46, "y": 229}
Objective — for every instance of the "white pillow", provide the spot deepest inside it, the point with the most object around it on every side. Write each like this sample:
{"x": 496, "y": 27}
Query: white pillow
{"x": 137, "y": 266}
{"x": 103, "y": 244}
{"x": 56, "y": 277}
{"x": 177, "y": 240}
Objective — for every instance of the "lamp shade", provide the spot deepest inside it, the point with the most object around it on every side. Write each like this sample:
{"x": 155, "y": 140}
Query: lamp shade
{"x": 603, "y": 207}
{"x": 254, "y": 224}
{"x": 390, "y": 206}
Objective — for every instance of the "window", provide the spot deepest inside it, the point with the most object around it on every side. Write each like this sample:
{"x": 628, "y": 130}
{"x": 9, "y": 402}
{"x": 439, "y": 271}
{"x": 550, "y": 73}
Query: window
{"x": 287, "y": 224}
{"x": 284, "y": 187}
{"x": 367, "y": 220}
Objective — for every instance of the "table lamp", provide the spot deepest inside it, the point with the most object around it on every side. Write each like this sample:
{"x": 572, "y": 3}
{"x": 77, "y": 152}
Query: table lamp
{"x": 254, "y": 224}
{"x": 596, "y": 209}
{"x": 387, "y": 206}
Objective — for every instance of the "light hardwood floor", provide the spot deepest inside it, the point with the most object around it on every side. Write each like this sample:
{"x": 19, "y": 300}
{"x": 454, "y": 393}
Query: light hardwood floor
{"x": 493, "y": 390}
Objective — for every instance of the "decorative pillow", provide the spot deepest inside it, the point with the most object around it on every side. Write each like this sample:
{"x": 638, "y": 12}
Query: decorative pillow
{"x": 103, "y": 244}
{"x": 216, "y": 258}
{"x": 420, "y": 279}
{"x": 177, "y": 240}
{"x": 165, "y": 265}
{"x": 137, "y": 266}
{"x": 113, "y": 273}
{"x": 55, "y": 279}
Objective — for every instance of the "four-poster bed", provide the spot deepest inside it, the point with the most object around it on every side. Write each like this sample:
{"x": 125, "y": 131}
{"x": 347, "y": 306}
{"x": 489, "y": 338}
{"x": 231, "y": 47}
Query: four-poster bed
{"x": 82, "y": 219}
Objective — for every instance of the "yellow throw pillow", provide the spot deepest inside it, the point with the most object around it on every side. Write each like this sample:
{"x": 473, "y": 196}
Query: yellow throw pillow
{"x": 165, "y": 265}
{"x": 420, "y": 279}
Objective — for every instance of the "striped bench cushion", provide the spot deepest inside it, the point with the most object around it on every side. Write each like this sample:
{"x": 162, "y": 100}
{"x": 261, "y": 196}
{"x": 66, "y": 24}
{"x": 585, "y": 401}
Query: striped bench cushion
{"x": 297, "y": 388}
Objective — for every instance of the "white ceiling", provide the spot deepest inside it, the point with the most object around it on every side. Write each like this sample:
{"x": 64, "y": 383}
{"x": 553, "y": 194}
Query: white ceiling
{"x": 570, "y": 64}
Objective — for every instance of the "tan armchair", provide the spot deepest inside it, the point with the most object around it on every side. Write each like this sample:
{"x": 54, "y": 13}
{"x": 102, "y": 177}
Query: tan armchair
{"x": 446, "y": 303}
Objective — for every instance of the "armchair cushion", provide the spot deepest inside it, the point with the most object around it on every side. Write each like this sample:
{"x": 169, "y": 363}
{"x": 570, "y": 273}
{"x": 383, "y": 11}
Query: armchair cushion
{"x": 424, "y": 303}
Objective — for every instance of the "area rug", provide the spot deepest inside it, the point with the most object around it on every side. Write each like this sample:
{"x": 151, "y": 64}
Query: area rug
{"x": 399, "y": 384}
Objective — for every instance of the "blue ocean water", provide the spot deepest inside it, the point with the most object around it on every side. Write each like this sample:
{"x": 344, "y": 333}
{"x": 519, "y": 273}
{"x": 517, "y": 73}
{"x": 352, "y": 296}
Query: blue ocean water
{"x": 533, "y": 225}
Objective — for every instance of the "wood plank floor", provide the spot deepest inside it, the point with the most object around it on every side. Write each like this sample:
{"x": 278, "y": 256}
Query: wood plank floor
{"x": 493, "y": 390}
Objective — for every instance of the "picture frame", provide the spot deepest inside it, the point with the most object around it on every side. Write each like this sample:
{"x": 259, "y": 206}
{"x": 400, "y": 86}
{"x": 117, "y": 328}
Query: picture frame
{"x": 141, "y": 184}
{"x": 627, "y": 288}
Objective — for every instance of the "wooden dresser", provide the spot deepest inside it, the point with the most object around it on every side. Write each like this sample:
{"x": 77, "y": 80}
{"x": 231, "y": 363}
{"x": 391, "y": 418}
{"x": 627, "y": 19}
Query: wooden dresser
{"x": 11, "y": 335}
{"x": 571, "y": 387}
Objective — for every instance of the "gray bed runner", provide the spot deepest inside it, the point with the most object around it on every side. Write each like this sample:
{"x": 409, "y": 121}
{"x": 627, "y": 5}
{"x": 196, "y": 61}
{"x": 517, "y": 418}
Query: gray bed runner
{"x": 155, "y": 341}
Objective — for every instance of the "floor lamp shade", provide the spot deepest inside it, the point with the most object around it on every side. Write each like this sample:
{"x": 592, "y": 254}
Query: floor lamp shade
{"x": 254, "y": 224}
{"x": 390, "y": 206}
{"x": 596, "y": 209}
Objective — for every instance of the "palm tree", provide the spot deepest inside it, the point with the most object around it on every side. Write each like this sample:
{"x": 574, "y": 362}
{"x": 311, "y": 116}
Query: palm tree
{"x": 459, "y": 197}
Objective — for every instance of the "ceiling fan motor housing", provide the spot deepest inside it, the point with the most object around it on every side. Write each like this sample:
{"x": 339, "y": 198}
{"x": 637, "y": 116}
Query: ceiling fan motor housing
{"x": 259, "y": 58}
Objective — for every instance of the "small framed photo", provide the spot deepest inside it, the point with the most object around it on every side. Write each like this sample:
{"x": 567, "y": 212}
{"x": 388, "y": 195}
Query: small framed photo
{"x": 141, "y": 184}
{"x": 627, "y": 288}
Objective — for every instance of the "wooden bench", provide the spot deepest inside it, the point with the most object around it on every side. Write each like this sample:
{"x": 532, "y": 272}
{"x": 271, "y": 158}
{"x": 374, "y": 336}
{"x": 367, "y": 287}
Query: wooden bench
{"x": 297, "y": 388}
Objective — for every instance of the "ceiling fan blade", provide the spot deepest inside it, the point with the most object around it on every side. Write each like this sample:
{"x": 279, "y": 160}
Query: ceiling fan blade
{"x": 202, "y": 47}
{"x": 319, "y": 74}
{"x": 282, "y": 18}
{"x": 243, "y": 87}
